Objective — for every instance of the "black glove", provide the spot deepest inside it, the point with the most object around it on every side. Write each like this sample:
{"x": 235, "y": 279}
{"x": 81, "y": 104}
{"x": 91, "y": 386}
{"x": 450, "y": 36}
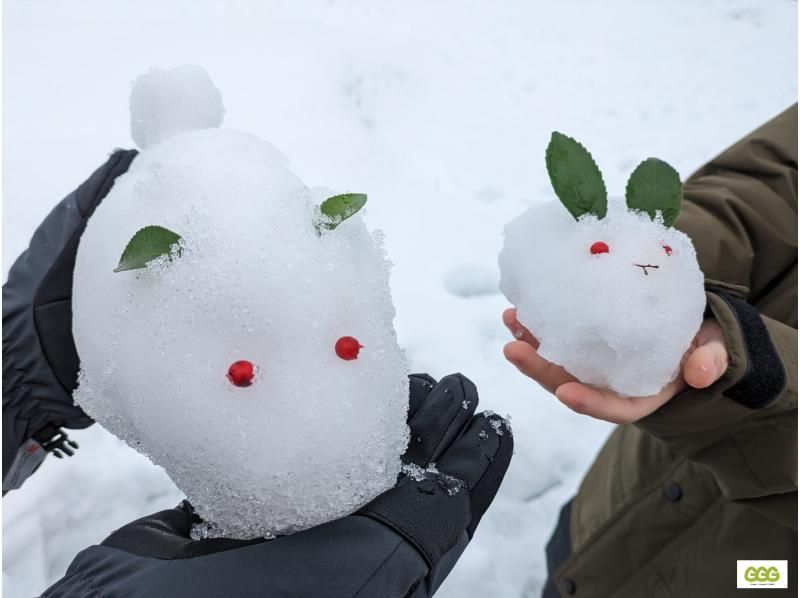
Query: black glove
{"x": 403, "y": 543}
{"x": 40, "y": 364}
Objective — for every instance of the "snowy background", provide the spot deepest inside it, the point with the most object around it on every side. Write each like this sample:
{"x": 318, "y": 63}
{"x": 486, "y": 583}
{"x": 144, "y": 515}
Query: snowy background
{"x": 441, "y": 112}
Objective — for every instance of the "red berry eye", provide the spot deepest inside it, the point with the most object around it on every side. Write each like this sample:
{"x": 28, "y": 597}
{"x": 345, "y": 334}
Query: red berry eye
{"x": 241, "y": 373}
{"x": 598, "y": 247}
{"x": 348, "y": 347}
{"x": 667, "y": 249}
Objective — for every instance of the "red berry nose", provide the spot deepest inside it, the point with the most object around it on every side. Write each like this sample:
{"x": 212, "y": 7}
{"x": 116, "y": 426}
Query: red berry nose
{"x": 667, "y": 249}
{"x": 348, "y": 347}
{"x": 598, "y": 247}
{"x": 241, "y": 373}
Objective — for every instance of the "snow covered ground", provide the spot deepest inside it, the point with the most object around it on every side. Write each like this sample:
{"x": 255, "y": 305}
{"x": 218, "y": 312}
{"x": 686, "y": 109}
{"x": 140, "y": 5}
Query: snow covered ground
{"x": 441, "y": 112}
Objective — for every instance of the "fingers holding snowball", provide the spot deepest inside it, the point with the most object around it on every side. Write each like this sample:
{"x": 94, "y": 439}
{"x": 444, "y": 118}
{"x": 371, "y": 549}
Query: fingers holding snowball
{"x": 440, "y": 418}
{"x": 606, "y": 405}
{"x": 420, "y": 386}
{"x": 704, "y": 363}
{"x": 520, "y": 332}
{"x": 528, "y": 361}
{"x": 709, "y": 360}
{"x": 586, "y": 400}
{"x": 479, "y": 460}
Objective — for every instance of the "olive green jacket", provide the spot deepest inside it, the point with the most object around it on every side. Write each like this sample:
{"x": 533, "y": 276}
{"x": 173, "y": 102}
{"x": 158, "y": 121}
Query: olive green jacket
{"x": 674, "y": 500}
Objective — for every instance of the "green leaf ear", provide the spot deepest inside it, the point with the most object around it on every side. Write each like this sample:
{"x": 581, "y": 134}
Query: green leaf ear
{"x": 576, "y": 178}
{"x": 146, "y": 245}
{"x": 337, "y": 209}
{"x": 655, "y": 186}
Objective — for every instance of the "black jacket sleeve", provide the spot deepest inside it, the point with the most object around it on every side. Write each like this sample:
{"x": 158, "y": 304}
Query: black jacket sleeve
{"x": 40, "y": 363}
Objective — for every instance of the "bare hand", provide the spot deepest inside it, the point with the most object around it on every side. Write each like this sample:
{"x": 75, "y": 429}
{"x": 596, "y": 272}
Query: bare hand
{"x": 702, "y": 365}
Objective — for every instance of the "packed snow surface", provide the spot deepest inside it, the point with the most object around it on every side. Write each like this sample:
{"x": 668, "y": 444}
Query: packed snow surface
{"x": 314, "y": 436}
{"x": 164, "y": 103}
{"x": 440, "y": 111}
{"x": 620, "y": 318}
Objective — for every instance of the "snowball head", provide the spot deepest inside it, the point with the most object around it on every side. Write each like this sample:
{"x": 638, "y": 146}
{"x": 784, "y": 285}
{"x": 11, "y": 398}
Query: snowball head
{"x": 619, "y": 319}
{"x": 314, "y": 436}
{"x": 165, "y": 103}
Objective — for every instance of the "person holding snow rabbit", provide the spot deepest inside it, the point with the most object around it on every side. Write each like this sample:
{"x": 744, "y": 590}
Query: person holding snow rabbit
{"x": 704, "y": 473}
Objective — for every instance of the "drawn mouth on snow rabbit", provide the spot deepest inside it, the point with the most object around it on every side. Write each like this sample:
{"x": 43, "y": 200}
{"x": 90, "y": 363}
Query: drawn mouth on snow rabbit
{"x": 610, "y": 289}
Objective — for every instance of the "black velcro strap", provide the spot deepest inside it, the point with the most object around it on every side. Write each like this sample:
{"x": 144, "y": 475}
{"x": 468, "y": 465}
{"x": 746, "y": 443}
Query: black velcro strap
{"x": 765, "y": 377}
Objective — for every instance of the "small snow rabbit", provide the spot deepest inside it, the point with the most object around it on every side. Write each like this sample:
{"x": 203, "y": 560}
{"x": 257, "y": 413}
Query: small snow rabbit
{"x": 611, "y": 291}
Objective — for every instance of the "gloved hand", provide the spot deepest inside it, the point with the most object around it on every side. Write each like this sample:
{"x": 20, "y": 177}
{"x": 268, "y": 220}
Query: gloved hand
{"x": 40, "y": 364}
{"x": 403, "y": 543}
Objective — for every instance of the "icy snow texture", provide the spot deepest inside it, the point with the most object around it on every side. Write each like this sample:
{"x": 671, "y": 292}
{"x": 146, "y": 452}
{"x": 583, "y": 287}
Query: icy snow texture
{"x": 315, "y": 436}
{"x": 606, "y": 318}
{"x": 165, "y": 103}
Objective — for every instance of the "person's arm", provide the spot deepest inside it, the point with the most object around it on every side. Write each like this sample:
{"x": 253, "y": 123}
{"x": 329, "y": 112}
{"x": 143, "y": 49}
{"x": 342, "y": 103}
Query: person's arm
{"x": 741, "y": 212}
{"x": 40, "y": 363}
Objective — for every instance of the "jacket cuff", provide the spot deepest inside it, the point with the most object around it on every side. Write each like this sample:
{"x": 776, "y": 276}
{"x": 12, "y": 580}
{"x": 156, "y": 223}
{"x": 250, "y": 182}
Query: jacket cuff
{"x": 756, "y": 375}
{"x": 754, "y": 379}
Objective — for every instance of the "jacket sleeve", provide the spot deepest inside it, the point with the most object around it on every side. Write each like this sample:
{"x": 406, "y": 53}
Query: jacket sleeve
{"x": 40, "y": 362}
{"x": 741, "y": 212}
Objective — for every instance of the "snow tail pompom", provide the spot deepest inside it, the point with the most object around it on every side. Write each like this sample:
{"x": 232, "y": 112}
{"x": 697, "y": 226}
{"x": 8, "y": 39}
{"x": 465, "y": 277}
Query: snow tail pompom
{"x": 166, "y": 103}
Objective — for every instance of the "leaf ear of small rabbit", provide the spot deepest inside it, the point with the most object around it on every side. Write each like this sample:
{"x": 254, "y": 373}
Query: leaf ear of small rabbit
{"x": 655, "y": 187}
{"x": 335, "y": 210}
{"x": 575, "y": 177}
